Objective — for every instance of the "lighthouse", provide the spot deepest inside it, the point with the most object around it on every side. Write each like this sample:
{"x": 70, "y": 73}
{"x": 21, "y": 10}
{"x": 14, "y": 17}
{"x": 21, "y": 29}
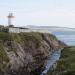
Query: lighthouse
{"x": 10, "y": 18}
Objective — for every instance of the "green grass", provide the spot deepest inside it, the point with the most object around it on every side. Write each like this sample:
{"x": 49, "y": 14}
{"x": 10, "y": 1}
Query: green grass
{"x": 66, "y": 64}
{"x": 3, "y": 57}
{"x": 4, "y": 36}
{"x": 53, "y": 37}
{"x": 28, "y": 38}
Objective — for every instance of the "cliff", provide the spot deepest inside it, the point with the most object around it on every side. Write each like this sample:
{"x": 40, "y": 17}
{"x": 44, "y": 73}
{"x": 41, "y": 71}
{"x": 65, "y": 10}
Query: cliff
{"x": 25, "y": 53}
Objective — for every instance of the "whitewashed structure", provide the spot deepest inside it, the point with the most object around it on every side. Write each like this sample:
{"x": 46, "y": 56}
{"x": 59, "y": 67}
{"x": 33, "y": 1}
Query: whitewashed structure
{"x": 18, "y": 29}
{"x": 10, "y": 18}
{"x": 22, "y": 29}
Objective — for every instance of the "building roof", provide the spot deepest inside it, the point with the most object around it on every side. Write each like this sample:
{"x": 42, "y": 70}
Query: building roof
{"x": 19, "y": 27}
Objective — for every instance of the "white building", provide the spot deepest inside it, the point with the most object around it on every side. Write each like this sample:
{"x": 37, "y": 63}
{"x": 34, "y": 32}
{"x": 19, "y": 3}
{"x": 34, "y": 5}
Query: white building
{"x": 18, "y": 29}
{"x": 21, "y": 29}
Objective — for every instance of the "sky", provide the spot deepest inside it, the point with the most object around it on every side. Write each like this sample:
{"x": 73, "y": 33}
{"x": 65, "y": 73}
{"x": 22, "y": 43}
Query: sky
{"x": 39, "y": 12}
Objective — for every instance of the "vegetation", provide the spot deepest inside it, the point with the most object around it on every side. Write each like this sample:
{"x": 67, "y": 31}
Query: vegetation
{"x": 53, "y": 37}
{"x": 26, "y": 39}
{"x": 4, "y": 36}
{"x": 3, "y": 58}
{"x": 66, "y": 64}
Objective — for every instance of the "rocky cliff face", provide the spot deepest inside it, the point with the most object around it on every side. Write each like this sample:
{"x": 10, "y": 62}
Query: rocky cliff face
{"x": 25, "y": 53}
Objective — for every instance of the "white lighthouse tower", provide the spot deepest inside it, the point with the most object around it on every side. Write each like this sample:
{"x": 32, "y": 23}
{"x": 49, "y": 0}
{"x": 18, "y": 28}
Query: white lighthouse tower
{"x": 10, "y": 17}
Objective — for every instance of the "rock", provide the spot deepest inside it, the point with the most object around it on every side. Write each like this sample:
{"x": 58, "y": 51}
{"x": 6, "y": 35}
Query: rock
{"x": 27, "y": 53}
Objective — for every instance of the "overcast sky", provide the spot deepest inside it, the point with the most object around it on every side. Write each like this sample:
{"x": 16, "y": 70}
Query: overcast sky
{"x": 39, "y": 12}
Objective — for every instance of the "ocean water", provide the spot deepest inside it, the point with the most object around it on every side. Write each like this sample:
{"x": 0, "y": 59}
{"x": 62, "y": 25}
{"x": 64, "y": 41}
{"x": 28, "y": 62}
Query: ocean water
{"x": 55, "y": 56}
{"x": 66, "y": 37}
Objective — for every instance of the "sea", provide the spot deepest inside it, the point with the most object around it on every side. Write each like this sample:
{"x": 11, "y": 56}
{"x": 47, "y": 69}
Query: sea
{"x": 67, "y": 37}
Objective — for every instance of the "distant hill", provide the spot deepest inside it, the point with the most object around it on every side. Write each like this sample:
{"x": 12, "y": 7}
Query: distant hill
{"x": 52, "y": 28}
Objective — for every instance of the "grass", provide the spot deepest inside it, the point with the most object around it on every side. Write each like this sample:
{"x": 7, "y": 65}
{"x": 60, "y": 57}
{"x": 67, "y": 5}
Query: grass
{"x": 4, "y": 36}
{"x": 53, "y": 37}
{"x": 3, "y": 57}
{"x": 28, "y": 38}
{"x": 66, "y": 64}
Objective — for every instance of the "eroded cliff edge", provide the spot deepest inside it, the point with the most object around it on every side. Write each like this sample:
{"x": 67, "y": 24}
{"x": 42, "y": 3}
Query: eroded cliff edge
{"x": 26, "y": 53}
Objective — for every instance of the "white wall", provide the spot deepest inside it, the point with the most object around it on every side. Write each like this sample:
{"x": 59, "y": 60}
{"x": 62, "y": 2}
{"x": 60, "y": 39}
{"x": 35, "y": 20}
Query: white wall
{"x": 14, "y": 30}
{"x": 18, "y": 30}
